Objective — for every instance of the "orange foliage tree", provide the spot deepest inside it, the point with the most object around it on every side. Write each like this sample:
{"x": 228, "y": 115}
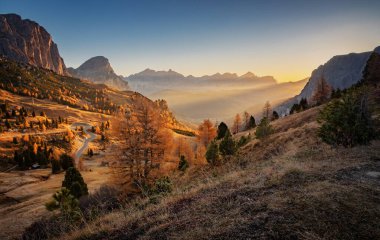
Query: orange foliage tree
{"x": 206, "y": 132}
{"x": 237, "y": 124}
{"x": 322, "y": 92}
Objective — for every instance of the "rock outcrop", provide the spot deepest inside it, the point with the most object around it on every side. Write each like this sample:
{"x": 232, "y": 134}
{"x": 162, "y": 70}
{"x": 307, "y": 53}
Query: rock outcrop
{"x": 23, "y": 40}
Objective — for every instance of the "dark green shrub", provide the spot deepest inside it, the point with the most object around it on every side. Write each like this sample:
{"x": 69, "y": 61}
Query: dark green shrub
{"x": 162, "y": 185}
{"x": 244, "y": 140}
{"x": 347, "y": 121}
{"x": 212, "y": 153}
{"x": 183, "y": 164}
{"x": 264, "y": 129}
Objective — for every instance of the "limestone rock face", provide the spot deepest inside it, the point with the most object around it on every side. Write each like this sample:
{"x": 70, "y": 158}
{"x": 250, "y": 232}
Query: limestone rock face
{"x": 99, "y": 70}
{"x": 23, "y": 40}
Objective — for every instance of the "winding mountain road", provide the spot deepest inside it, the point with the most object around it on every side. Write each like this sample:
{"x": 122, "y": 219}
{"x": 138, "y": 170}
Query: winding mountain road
{"x": 86, "y": 127}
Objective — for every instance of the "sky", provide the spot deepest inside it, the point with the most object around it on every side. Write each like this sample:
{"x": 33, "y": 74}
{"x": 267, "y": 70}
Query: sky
{"x": 285, "y": 39}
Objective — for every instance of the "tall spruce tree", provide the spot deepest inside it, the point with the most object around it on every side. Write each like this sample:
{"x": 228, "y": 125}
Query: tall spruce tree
{"x": 74, "y": 183}
{"x": 222, "y": 130}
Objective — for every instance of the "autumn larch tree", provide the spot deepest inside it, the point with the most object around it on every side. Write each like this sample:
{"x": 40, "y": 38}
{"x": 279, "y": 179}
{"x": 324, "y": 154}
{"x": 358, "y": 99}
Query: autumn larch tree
{"x": 246, "y": 119}
{"x": 267, "y": 110}
{"x": 322, "y": 92}
{"x": 147, "y": 143}
{"x": 206, "y": 132}
{"x": 237, "y": 124}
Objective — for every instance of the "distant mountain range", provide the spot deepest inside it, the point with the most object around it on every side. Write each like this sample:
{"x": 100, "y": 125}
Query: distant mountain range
{"x": 99, "y": 70}
{"x": 151, "y": 81}
{"x": 23, "y": 40}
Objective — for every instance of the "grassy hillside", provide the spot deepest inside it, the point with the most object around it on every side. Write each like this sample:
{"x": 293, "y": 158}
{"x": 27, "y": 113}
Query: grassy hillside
{"x": 288, "y": 186}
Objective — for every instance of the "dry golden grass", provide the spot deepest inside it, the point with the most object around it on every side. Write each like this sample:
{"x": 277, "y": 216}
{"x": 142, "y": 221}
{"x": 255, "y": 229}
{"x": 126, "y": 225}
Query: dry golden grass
{"x": 289, "y": 186}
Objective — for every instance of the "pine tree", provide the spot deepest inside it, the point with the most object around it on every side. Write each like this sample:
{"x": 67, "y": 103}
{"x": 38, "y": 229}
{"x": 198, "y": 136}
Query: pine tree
{"x": 251, "y": 123}
{"x": 74, "y": 183}
{"x": 264, "y": 129}
{"x": 222, "y": 130}
{"x": 303, "y": 104}
{"x": 66, "y": 203}
{"x": 66, "y": 161}
{"x": 212, "y": 154}
{"x": 275, "y": 116}
{"x": 55, "y": 166}
{"x": 347, "y": 121}
{"x": 227, "y": 146}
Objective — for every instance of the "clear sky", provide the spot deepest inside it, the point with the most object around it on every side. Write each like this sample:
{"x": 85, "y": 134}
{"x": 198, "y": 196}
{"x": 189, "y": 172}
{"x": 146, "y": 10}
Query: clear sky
{"x": 286, "y": 39}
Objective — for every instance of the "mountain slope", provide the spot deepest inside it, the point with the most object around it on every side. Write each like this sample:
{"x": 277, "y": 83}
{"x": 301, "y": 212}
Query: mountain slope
{"x": 339, "y": 72}
{"x": 289, "y": 186}
{"x": 25, "y": 41}
{"x": 99, "y": 70}
{"x": 26, "y": 80}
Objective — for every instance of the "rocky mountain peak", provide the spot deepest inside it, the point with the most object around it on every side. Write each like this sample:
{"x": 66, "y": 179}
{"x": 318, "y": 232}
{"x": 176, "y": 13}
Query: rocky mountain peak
{"x": 99, "y": 70}
{"x": 99, "y": 64}
{"x": 23, "y": 40}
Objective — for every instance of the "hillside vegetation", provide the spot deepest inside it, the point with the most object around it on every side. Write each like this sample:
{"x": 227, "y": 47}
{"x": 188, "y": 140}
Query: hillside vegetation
{"x": 289, "y": 185}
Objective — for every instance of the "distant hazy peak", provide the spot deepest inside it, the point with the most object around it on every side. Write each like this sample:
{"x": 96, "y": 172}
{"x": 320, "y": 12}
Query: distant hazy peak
{"x": 248, "y": 75}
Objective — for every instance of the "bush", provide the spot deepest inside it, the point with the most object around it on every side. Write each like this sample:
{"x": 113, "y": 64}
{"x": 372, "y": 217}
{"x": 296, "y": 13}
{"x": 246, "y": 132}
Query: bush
{"x": 66, "y": 203}
{"x": 183, "y": 164}
{"x": 66, "y": 161}
{"x": 264, "y": 129}
{"x": 347, "y": 121}
{"x": 74, "y": 183}
{"x": 212, "y": 153}
{"x": 103, "y": 201}
{"x": 244, "y": 140}
{"x": 163, "y": 186}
